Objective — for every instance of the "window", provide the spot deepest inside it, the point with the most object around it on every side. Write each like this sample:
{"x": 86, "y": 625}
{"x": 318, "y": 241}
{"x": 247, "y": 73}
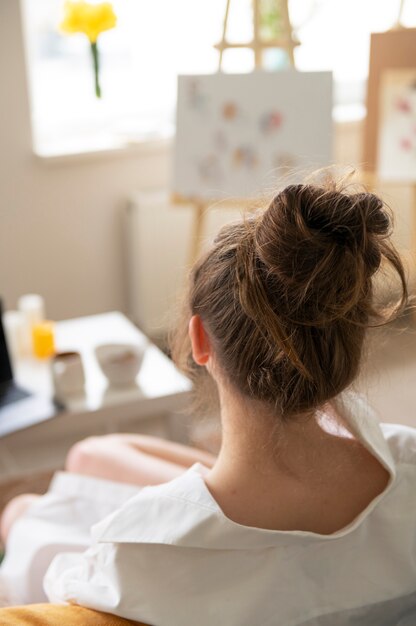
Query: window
{"x": 153, "y": 41}
{"x": 157, "y": 39}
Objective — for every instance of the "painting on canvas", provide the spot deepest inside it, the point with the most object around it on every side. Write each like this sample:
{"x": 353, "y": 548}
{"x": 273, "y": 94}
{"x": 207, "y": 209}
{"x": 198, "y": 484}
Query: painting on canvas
{"x": 397, "y": 132}
{"x": 238, "y": 135}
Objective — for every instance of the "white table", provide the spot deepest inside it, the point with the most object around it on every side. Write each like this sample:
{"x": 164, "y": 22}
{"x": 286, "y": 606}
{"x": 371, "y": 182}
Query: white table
{"x": 160, "y": 392}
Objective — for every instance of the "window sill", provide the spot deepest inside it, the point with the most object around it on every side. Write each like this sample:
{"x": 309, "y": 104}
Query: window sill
{"x": 92, "y": 148}
{"x": 102, "y": 150}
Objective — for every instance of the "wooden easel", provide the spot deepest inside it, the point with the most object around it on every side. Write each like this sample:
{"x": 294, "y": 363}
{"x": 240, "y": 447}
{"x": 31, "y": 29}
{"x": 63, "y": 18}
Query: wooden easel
{"x": 394, "y": 48}
{"x": 398, "y": 23}
{"x": 285, "y": 42}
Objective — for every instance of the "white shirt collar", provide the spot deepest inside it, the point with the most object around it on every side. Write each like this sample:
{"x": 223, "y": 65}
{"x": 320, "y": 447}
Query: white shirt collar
{"x": 184, "y": 513}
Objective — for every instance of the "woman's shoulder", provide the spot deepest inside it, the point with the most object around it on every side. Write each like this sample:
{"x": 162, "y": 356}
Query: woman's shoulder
{"x": 394, "y": 443}
{"x": 401, "y": 440}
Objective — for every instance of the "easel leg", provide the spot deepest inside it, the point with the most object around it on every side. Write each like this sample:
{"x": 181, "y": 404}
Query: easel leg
{"x": 197, "y": 231}
{"x": 224, "y": 34}
{"x": 287, "y": 28}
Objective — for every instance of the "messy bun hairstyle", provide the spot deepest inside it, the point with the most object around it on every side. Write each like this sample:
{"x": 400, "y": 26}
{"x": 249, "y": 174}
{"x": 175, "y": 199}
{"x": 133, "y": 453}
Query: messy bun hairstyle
{"x": 286, "y": 296}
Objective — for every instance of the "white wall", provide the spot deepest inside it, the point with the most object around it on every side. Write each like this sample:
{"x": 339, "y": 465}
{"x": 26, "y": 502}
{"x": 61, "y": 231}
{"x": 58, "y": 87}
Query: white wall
{"x": 60, "y": 231}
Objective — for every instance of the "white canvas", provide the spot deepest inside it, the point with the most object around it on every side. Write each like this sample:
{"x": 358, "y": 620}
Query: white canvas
{"x": 397, "y": 132}
{"x": 239, "y": 134}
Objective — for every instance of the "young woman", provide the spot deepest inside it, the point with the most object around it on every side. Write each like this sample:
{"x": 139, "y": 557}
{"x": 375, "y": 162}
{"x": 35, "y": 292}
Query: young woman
{"x": 308, "y": 514}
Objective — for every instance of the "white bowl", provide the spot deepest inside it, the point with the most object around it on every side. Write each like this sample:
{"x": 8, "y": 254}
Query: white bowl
{"x": 119, "y": 362}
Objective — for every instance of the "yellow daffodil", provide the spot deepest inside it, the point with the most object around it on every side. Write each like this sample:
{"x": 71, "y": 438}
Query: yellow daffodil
{"x": 90, "y": 20}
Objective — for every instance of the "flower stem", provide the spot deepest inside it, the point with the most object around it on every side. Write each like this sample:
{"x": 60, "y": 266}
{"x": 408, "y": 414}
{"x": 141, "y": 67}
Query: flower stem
{"x": 96, "y": 62}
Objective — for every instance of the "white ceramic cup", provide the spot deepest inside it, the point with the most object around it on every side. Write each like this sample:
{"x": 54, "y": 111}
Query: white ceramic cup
{"x": 67, "y": 374}
{"x": 119, "y": 362}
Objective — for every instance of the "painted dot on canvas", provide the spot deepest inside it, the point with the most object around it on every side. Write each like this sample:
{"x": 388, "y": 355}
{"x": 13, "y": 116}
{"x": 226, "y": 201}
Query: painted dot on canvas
{"x": 229, "y": 110}
{"x": 405, "y": 143}
{"x": 403, "y": 105}
{"x": 271, "y": 122}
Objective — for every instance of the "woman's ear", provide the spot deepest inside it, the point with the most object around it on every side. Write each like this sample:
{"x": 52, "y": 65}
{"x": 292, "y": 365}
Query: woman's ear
{"x": 201, "y": 348}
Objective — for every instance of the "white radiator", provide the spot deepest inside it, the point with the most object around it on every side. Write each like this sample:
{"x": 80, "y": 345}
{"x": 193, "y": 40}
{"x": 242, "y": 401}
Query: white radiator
{"x": 158, "y": 244}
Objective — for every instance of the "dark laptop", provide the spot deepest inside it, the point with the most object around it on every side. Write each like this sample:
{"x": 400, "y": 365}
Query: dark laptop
{"x": 9, "y": 391}
{"x": 19, "y": 408}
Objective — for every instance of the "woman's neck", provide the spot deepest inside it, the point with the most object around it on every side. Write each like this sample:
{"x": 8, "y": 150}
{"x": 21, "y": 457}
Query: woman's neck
{"x": 279, "y": 475}
{"x": 255, "y": 440}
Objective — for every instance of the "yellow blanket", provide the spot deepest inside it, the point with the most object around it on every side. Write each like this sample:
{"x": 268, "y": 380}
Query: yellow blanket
{"x": 59, "y": 615}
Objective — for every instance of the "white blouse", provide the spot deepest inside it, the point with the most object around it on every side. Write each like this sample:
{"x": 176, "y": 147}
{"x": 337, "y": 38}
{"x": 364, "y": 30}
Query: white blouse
{"x": 169, "y": 556}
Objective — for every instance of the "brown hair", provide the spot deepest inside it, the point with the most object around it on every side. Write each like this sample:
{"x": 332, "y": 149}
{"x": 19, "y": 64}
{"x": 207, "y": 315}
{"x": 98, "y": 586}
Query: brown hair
{"x": 286, "y": 295}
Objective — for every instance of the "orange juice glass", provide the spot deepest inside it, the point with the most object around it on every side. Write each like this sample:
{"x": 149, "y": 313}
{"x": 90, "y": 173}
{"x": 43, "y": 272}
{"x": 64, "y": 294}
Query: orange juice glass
{"x": 43, "y": 339}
